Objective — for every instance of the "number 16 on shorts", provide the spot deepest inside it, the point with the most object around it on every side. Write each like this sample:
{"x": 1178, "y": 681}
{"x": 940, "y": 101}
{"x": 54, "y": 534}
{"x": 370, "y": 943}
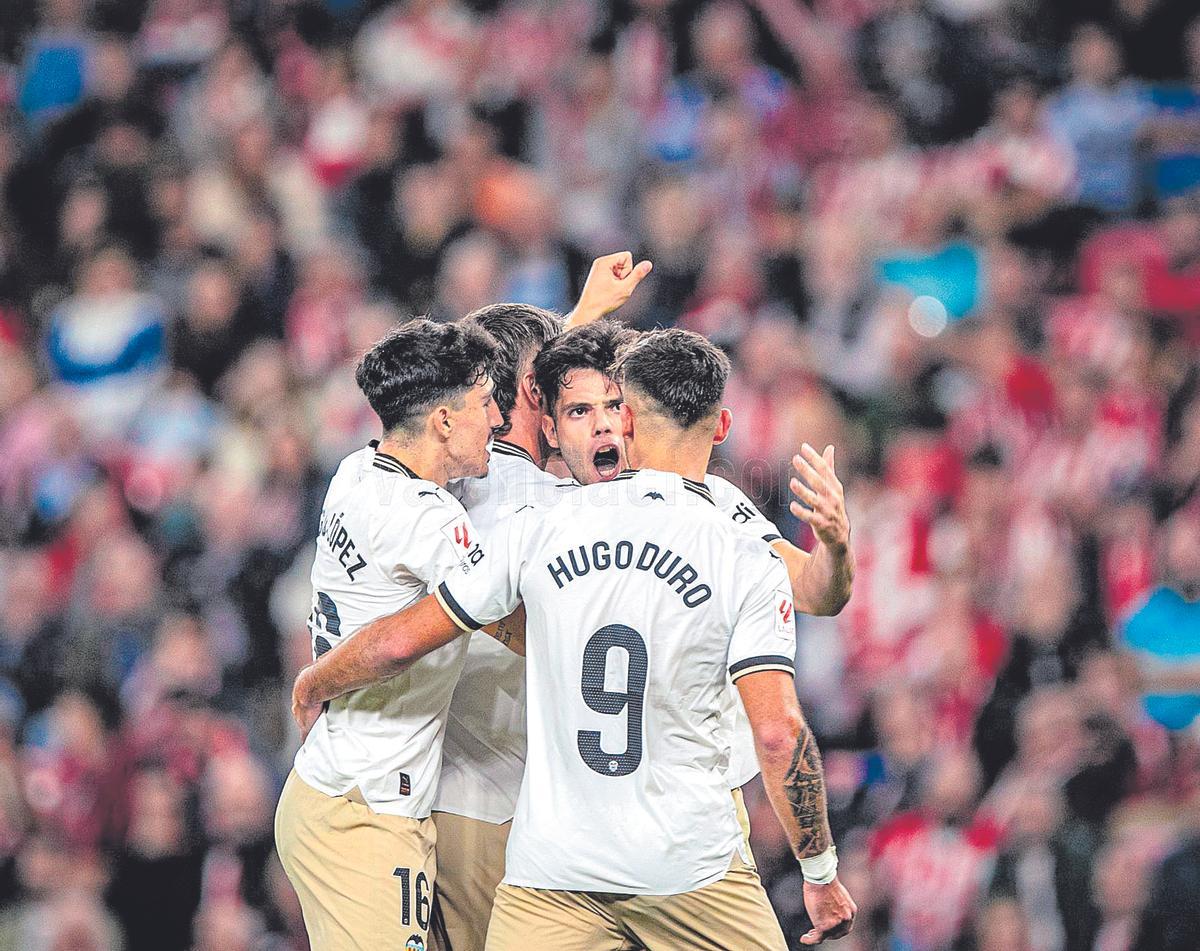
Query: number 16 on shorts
{"x": 415, "y": 894}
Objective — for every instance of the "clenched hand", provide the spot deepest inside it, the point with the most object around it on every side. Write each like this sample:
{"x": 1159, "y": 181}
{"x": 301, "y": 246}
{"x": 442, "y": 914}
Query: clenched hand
{"x": 610, "y": 283}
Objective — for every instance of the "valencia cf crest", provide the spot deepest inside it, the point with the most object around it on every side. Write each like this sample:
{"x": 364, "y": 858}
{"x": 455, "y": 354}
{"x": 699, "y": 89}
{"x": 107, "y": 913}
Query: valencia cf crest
{"x": 414, "y": 944}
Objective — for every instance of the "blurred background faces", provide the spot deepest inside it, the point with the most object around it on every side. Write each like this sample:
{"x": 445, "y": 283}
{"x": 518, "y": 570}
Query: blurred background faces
{"x": 958, "y": 239}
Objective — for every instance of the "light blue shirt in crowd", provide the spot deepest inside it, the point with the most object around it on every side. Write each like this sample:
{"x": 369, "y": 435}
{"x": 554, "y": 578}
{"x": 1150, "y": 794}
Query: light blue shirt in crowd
{"x": 1102, "y": 125}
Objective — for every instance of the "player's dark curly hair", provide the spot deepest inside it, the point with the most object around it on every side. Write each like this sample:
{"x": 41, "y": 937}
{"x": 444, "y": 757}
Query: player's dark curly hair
{"x": 520, "y": 331}
{"x": 420, "y": 364}
{"x": 591, "y": 347}
{"x": 682, "y": 373}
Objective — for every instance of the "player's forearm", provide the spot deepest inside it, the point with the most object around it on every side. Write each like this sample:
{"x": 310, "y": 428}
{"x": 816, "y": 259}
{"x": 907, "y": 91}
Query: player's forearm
{"x": 579, "y": 316}
{"x": 384, "y": 648}
{"x": 510, "y": 631}
{"x": 821, "y": 581}
{"x": 795, "y": 783}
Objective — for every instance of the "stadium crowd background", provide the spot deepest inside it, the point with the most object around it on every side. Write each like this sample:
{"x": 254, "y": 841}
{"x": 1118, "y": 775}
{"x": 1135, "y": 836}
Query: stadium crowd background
{"x": 958, "y": 239}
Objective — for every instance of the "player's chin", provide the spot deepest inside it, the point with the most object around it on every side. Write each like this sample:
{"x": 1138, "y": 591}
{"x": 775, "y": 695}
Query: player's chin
{"x": 480, "y": 468}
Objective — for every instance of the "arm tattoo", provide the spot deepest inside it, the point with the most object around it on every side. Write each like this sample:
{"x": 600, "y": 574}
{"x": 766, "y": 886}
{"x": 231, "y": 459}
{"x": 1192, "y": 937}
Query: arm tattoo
{"x": 804, "y": 783}
{"x": 502, "y": 633}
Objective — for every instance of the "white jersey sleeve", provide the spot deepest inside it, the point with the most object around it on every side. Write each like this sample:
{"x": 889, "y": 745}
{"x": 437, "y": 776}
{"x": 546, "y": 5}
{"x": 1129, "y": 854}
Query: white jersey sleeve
{"x": 764, "y": 636}
{"x": 439, "y": 539}
{"x": 764, "y": 639}
{"x": 475, "y": 595}
{"x": 737, "y": 505}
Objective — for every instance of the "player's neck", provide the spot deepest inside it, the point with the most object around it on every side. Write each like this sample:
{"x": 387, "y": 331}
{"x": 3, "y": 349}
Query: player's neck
{"x": 525, "y": 433}
{"x": 690, "y": 462}
{"x": 425, "y": 458}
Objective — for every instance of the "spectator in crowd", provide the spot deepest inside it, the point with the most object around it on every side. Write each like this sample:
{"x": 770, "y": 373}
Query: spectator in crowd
{"x": 1163, "y": 634}
{"x": 1102, "y": 116}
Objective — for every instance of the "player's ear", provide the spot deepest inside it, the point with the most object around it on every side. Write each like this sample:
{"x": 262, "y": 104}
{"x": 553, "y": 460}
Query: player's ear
{"x": 626, "y": 421}
{"x": 527, "y": 388}
{"x": 724, "y": 424}
{"x": 550, "y": 431}
{"x": 442, "y": 421}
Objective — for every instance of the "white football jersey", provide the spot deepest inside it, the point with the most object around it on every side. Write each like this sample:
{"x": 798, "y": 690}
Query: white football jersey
{"x": 484, "y": 754}
{"x": 737, "y": 505}
{"x": 743, "y": 763}
{"x": 642, "y": 599}
{"x": 386, "y": 539}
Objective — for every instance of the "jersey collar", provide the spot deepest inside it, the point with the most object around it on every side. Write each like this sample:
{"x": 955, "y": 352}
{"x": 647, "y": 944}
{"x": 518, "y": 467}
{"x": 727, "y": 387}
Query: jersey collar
{"x": 390, "y": 463}
{"x": 506, "y": 448}
{"x": 696, "y": 488}
{"x": 700, "y": 489}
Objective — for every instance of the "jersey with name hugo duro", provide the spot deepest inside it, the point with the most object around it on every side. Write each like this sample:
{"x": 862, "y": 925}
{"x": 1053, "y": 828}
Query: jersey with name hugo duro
{"x": 483, "y": 757}
{"x": 642, "y": 599}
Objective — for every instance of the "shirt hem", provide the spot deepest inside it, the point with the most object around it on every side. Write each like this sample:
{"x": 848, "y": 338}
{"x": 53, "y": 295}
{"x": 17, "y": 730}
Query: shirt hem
{"x": 386, "y": 808}
{"x": 474, "y": 814}
{"x": 608, "y": 888}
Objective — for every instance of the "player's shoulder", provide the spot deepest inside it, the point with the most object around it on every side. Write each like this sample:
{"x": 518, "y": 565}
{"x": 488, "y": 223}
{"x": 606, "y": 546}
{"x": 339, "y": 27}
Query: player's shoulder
{"x": 405, "y": 495}
{"x": 721, "y": 488}
{"x": 355, "y": 466}
{"x": 512, "y": 481}
{"x": 520, "y": 470}
{"x": 738, "y": 506}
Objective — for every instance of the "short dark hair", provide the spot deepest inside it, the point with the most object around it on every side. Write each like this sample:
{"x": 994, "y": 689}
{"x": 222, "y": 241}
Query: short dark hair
{"x": 520, "y": 331}
{"x": 593, "y": 346}
{"x": 421, "y": 363}
{"x": 682, "y": 373}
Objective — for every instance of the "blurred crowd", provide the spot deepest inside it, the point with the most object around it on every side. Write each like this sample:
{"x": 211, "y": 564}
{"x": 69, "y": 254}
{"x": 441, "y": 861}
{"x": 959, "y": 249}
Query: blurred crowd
{"x": 958, "y": 239}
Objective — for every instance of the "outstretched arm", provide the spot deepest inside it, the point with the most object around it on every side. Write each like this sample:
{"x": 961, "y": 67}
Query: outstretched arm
{"x": 384, "y": 648}
{"x": 795, "y": 783}
{"x": 823, "y": 580}
{"x": 610, "y": 283}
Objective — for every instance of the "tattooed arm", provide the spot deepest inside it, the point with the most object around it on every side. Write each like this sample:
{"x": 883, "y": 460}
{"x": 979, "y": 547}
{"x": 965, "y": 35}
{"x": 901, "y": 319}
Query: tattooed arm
{"x": 510, "y": 631}
{"x": 795, "y": 783}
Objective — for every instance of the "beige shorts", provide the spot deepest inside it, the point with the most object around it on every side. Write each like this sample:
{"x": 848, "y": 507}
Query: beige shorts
{"x": 733, "y": 913}
{"x": 470, "y": 866}
{"x": 365, "y": 880}
{"x": 743, "y": 818}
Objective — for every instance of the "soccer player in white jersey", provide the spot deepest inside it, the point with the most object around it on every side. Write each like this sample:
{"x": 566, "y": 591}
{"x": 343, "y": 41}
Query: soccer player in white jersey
{"x": 640, "y": 597}
{"x": 582, "y": 406}
{"x": 484, "y": 750}
{"x": 352, "y": 826}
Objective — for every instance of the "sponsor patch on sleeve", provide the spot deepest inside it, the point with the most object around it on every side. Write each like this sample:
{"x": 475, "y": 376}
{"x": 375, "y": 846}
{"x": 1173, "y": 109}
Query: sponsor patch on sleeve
{"x": 785, "y": 612}
{"x": 460, "y": 533}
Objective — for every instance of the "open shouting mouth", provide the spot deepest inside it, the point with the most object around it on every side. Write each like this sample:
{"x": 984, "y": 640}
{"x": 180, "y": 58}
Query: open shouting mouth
{"x": 607, "y": 461}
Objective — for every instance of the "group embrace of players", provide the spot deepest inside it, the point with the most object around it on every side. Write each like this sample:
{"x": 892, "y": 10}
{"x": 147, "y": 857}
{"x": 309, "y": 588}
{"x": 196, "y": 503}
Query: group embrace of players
{"x": 549, "y": 649}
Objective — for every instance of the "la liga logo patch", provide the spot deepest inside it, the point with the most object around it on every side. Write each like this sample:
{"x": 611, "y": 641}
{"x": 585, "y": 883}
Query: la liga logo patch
{"x": 784, "y": 612}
